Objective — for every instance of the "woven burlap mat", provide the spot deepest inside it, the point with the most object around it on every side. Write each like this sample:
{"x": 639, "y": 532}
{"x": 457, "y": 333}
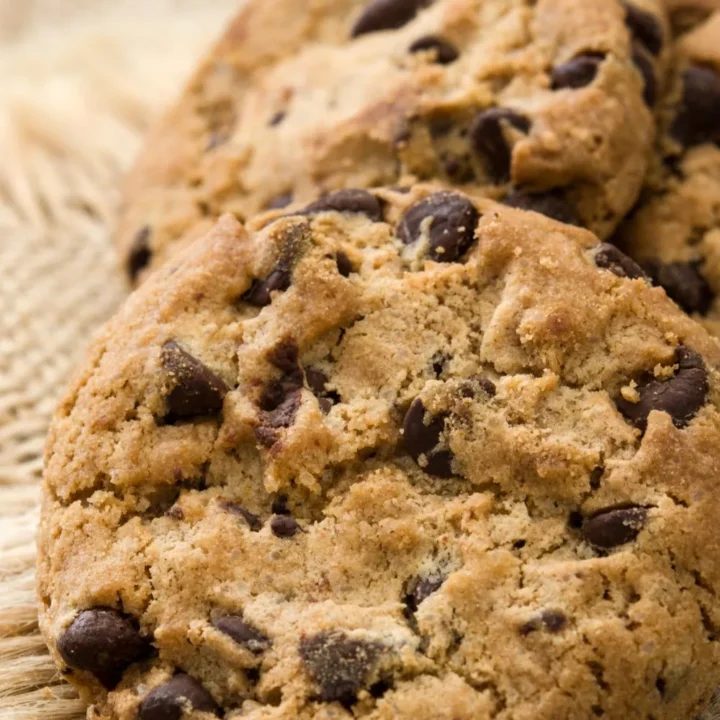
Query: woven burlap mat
{"x": 80, "y": 80}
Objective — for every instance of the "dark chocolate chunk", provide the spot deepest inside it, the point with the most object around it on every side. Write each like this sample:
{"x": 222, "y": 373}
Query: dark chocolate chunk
{"x": 387, "y": 15}
{"x": 608, "y": 257}
{"x": 277, "y": 118}
{"x": 423, "y": 440}
{"x": 266, "y": 436}
{"x": 681, "y": 396}
{"x": 279, "y": 505}
{"x": 576, "y": 73}
{"x": 344, "y": 266}
{"x": 140, "y": 253}
{"x": 169, "y": 701}
{"x": 553, "y": 204}
{"x": 284, "y": 356}
{"x": 487, "y": 137}
{"x": 698, "y": 117}
{"x": 458, "y": 168}
{"x": 242, "y": 632}
{"x": 253, "y": 521}
{"x": 551, "y": 620}
{"x": 645, "y": 66}
{"x": 448, "y": 219}
{"x": 277, "y": 281}
{"x": 478, "y": 384}
{"x": 684, "y": 283}
{"x": 340, "y": 666}
{"x": 103, "y": 642}
{"x": 645, "y": 27}
{"x": 613, "y": 527}
{"x": 360, "y": 202}
{"x": 283, "y": 415}
{"x": 317, "y": 381}
{"x": 195, "y": 390}
{"x": 418, "y": 589}
{"x": 284, "y": 526}
{"x": 445, "y": 53}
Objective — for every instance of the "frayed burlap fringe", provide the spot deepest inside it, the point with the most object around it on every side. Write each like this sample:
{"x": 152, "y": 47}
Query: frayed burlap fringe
{"x": 80, "y": 80}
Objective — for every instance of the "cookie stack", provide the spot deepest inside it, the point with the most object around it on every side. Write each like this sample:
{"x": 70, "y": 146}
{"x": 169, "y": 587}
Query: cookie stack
{"x": 415, "y": 413}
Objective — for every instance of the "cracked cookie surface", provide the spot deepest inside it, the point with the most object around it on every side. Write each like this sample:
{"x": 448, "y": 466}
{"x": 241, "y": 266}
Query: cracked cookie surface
{"x": 674, "y": 232}
{"x": 543, "y": 102}
{"x": 389, "y": 455}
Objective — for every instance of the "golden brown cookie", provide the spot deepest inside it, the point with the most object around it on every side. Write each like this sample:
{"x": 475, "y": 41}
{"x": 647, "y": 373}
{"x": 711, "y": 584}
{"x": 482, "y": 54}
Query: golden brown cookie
{"x": 675, "y": 230}
{"x": 542, "y": 103}
{"x": 390, "y": 456}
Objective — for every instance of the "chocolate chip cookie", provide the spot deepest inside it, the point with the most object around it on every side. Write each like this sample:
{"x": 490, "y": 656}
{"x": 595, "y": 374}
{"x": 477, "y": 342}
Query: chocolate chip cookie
{"x": 675, "y": 231}
{"x": 389, "y": 455}
{"x": 544, "y": 103}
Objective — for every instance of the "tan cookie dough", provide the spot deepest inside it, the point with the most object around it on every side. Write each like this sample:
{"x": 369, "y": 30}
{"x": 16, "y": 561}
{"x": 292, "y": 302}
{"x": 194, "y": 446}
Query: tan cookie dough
{"x": 545, "y": 103}
{"x": 675, "y": 230}
{"x": 389, "y": 456}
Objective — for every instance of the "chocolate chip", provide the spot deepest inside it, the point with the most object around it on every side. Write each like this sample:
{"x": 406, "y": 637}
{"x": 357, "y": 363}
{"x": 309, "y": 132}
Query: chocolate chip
{"x": 279, "y": 505}
{"x": 242, "y": 632}
{"x": 681, "y": 396}
{"x": 277, "y": 118}
{"x": 284, "y": 356}
{"x": 439, "y": 360}
{"x": 140, "y": 253}
{"x": 613, "y": 527}
{"x": 445, "y": 53}
{"x": 478, "y": 384}
{"x": 387, "y": 15}
{"x": 487, "y": 136}
{"x": 645, "y": 27}
{"x": 195, "y": 389}
{"x": 698, "y": 117}
{"x": 277, "y": 281}
{"x": 103, "y": 642}
{"x": 340, "y": 666}
{"x": 576, "y": 73}
{"x": 458, "y": 168}
{"x": 348, "y": 201}
{"x": 422, "y": 440}
{"x": 317, "y": 381}
{"x": 684, "y": 283}
{"x": 344, "y": 266}
{"x": 418, "y": 589}
{"x": 279, "y": 201}
{"x": 282, "y": 414}
{"x": 266, "y": 436}
{"x": 645, "y": 66}
{"x": 551, "y": 620}
{"x": 169, "y": 701}
{"x": 608, "y": 257}
{"x": 284, "y": 526}
{"x": 552, "y": 204}
{"x": 447, "y": 219}
{"x": 253, "y": 521}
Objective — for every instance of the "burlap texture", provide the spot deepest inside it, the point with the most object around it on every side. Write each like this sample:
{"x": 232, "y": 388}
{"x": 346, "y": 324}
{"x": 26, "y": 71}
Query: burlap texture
{"x": 79, "y": 82}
